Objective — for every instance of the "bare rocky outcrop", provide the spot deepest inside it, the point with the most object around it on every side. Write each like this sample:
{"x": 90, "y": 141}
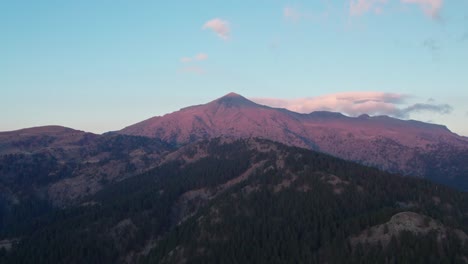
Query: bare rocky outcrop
{"x": 336, "y": 182}
{"x": 405, "y": 221}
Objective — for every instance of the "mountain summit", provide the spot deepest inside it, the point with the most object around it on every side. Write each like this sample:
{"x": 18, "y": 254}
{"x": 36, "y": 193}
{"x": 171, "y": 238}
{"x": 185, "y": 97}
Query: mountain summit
{"x": 231, "y": 115}
{"x": 235, "y": 100}
{"x": 409, "y": 147}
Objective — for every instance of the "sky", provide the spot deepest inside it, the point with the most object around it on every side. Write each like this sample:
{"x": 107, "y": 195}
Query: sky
{"x": 101, "y": 65}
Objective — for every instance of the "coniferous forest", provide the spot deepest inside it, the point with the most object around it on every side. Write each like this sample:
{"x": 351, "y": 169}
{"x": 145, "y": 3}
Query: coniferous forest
{"x": 247, "y": 201}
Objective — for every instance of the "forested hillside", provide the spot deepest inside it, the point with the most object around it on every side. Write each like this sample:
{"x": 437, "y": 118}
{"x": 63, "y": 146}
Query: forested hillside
{"x": 252, "y": 201}
{"x": 41, "y": 170}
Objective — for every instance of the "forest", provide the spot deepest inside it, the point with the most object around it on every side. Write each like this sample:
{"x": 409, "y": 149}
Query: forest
{"x": 292, "y": 206}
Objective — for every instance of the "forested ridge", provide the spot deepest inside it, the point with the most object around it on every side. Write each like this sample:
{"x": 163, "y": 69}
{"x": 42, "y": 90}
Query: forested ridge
{"x": 248, "y": 201}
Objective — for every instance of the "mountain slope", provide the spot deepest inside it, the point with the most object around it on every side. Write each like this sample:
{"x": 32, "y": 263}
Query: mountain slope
{"x": 207, "y": 199}
{"x": 45, "y": 166}
{"x": 231, "y": 115}
{"x": 391, "y": 144}
{"x": 60, "y": 157}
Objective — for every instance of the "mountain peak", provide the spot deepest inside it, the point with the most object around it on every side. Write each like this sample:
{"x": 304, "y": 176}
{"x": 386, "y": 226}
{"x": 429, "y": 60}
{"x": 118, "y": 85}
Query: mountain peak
{"x": 234, "y": 99}
{"x": 232, "y": 95}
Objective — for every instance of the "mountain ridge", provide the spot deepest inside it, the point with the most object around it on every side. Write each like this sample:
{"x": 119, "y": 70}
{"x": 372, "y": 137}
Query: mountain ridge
{"x": 234, "y": 100}
{"x": 395, "y": 145}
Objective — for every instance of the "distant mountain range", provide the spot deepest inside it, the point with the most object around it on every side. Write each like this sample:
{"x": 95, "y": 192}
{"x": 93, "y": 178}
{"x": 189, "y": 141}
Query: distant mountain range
{"x": 408, "y": 147}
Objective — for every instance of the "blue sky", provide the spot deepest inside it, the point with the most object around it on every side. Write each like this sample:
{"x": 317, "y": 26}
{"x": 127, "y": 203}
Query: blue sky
{"x": 102, "y": 65}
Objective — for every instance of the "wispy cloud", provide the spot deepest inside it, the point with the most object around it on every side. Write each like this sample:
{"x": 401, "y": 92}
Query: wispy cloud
{"x": 198, "y": 57}
{"x": 442, "y": 109}
{"x": 357, "y": 103}
{"x": 201, "y": 56}
{"x": 430, "y": 7}
{"x": 219, "y": 26}
{"x": 295, "y": 14}
{"x": 360, "y": 7}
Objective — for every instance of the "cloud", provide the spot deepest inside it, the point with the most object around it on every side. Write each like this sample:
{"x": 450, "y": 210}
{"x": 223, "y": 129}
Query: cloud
{"x": 294, "y": 14}
{"x": 442, "y": 109}
{"x": 219, "y": 26}
{"x": 430, "y": 7}
{"x": 360, "y": 7}
{"x": 198, "y": 57}
{"x": 357, "y": 103}
{"x": 201, "y": 56}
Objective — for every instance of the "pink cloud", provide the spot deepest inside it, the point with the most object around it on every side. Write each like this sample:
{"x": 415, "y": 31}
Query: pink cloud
{"x": 219, "y": 26}
{"x": 356, "y": 103}
{"x": 201, "y": 56}
{"x": 294, "y": 14}
{"x": 352, "y": 103}
{"x": 430, "y": 7}
{"x": 360, "y": 7}
{"x": 198, "y": 57}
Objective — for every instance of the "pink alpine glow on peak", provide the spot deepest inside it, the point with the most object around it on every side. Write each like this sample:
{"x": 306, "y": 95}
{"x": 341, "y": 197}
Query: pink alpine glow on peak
{"x": 232, "y": 94}
{"x": 381, "y": 140}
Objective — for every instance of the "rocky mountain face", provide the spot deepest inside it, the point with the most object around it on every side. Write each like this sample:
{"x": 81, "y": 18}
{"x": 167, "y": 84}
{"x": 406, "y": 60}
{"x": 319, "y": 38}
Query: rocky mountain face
{"x": 250, "y": 201}
{"x": 408, "y": 147}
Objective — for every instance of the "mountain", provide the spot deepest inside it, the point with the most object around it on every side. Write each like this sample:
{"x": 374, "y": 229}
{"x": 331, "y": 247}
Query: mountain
{"x": 32, "y": 139}
{"x": 63, "y": 164}
{"x": 45, "y": 167}
{"x": 251, "y": 201}
{"x": 408, "y": 147}
{"x": 193, "y": 186}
